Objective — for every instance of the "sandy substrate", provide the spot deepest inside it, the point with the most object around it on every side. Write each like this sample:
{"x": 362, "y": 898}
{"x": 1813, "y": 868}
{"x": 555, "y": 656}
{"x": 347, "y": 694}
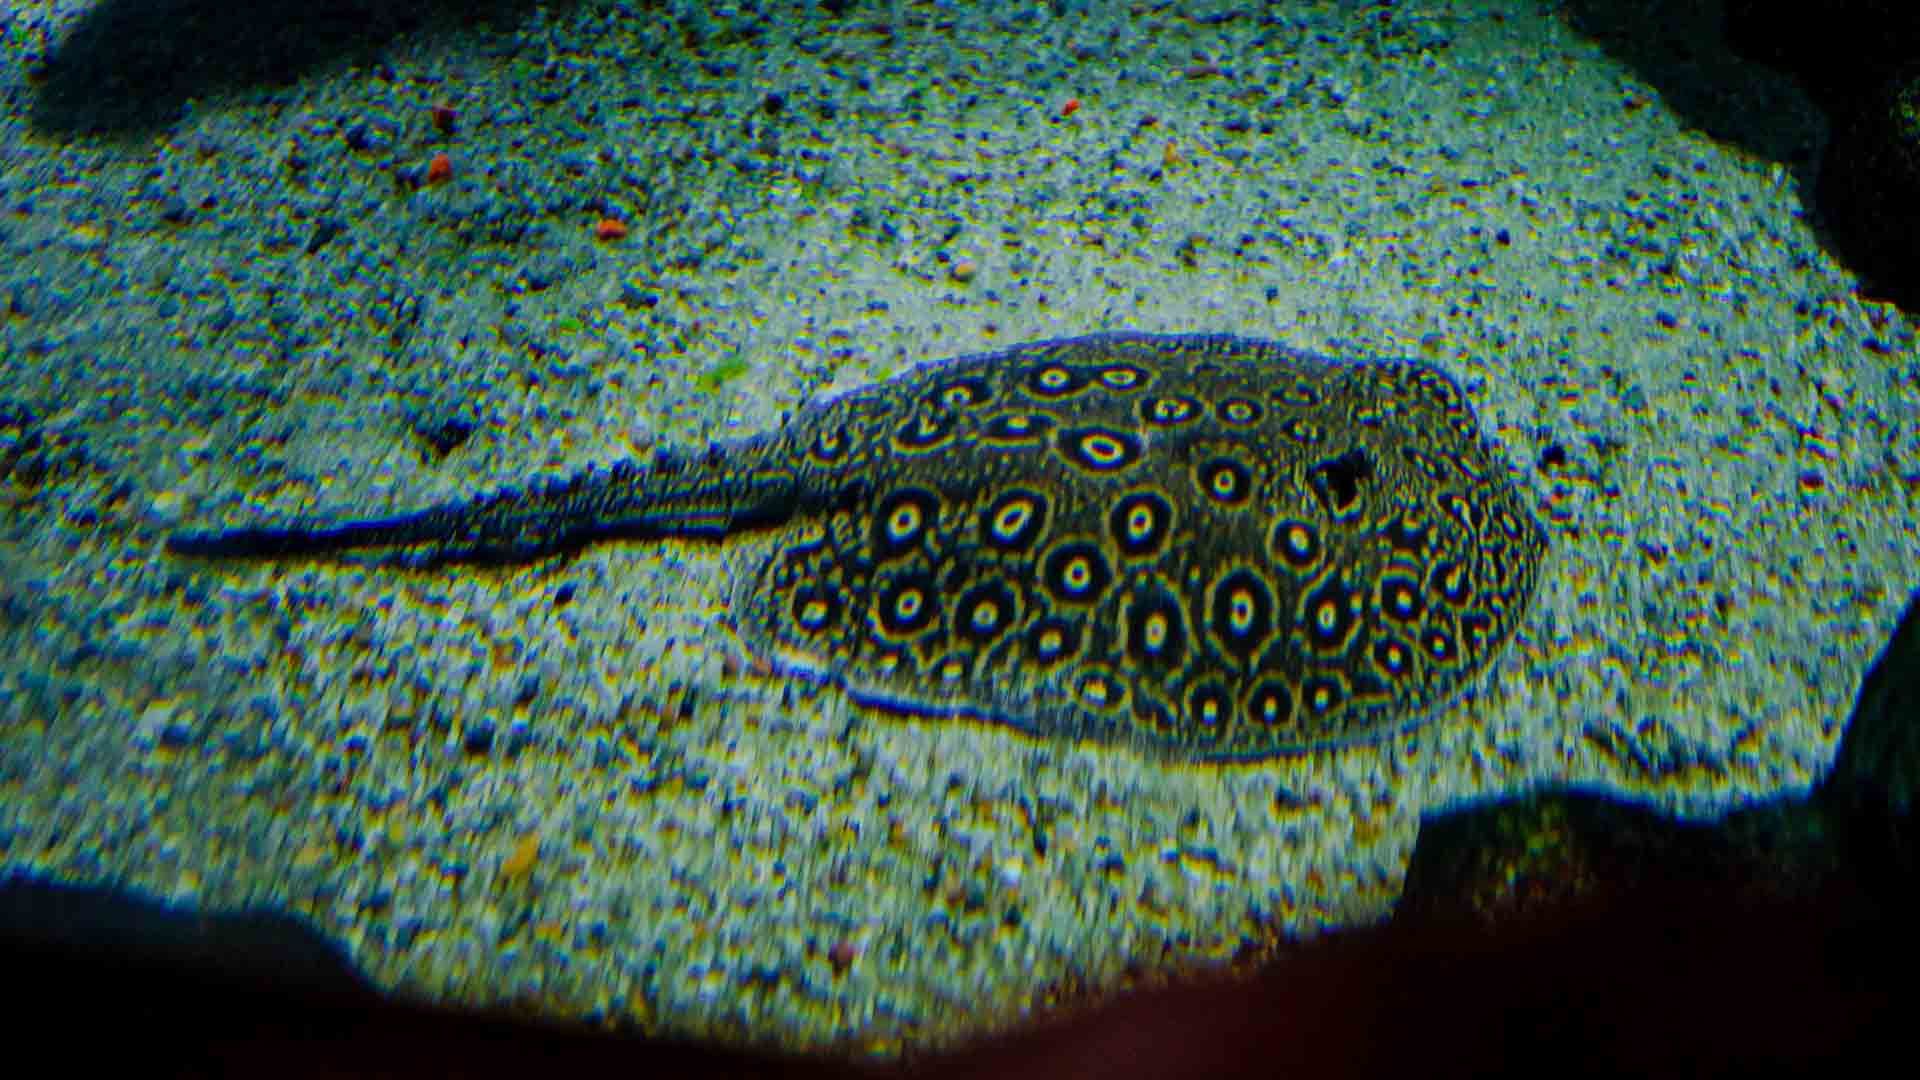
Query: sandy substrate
{"x": 558, "y": 785}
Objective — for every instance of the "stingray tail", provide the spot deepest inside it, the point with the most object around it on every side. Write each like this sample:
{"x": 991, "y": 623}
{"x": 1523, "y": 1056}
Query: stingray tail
{"x": 713, "y": 494}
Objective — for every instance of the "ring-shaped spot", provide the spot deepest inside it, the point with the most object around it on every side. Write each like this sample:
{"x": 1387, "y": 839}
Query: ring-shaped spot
{"x": 1169, "y": 410}
{"x": 1451, "y": 580}
{"x": 1099, "y": 449}
{"x": 1015, "y": 429}
{"x": 1439, "y": 647}
{"x": 1224, "y": 481}
{"x": 1053, "y": 640}
{"x": 1400, "y": 598}
{"x": 1303, "y": 431}
{"x": 1100, "y": 691}
{"x": 827, "y": 447}
{"x": 924, "y": 431}
{"x": 1054, "y": 381}
{"x": 1122, "y": 377}
{"x": 1324, "y": 694}
{"x": 1295, "y": 544}
{"x": 1156, "y": 629}
{"x": 952, "y": 668}
{"x": 1240, "y": 614}
{"x": 1407, "y": 534}
{"x": 1238, "y": 411}
{"x": 815, "y": 608}
{"x": 1295, "y": 395}
{"x": 1140, "y": 522}
{"x": 1330, "y": 616}
{"x": 1076, "y": 573}
{"x": 987, "y": 610}
{"x": 902, "y": 520}
{"x": 907, "y": 605}
{"x": 1392, "y": 658}
{"x": 1014, "y": 521}
{"x": 1209, "y": 708}
{"x": 1270, "y": 703}
{"x": 960, "y": 394}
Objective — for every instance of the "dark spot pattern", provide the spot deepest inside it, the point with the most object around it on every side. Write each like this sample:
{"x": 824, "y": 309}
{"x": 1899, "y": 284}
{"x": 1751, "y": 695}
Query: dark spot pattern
{"x": 1213, "y": 547}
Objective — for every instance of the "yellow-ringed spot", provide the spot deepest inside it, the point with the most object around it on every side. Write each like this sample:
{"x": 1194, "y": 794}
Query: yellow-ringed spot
{"x": 1076, "y": 573}
{"x": 1451, "y": 581}
{"x": 1209, "y": 708}
{"x": 902, "y": 521}
{"x": 1331, "y": 615}
{"x": 907, "y": 605}
{"x": 1295, "y": 545}
{"x": 961, "y": 394}
{"x": 1014, "y": 520}
{"x": 1407, "y": 535}
{"x": 1015, "y": 429}
{"x": 1099, "y": 449}
{"x": 1238, "y": 411}
{"x": 1053, "y": 640}
{"x": 827, "y": 447}
{"x": 1324, "y": 694}
{"x": 1156, "y": 629}
{"x": 1439, "y": 647}
{"x": 1303, "y": 432}
{"x": 1392, "y": 658}
{"x": 1270, "y": 704}
{"x": 1224, "y": 481}
{"x": 1295, "y": 395}
{"x": 987, "y": 610}
{"x": 1169, "y": 410}
{"x": 1140, "y": 522}
{"x": 924, "y": 431}
{"x": 1100, "y": 691}
{"x": 1122, "y": 377}
{"x": 1054, "y": 381}
{"x": 1240, "y": 613}
{"x": 815, "y": 608}
{"x": 1400, "y": 599}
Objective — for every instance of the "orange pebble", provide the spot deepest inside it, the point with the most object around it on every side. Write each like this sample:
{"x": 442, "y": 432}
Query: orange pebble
{"x": 519, "y": 862}
{"x": 440, "y": 169}
{"x": 609, "y": 229}
{"x": 1072, "y": 106}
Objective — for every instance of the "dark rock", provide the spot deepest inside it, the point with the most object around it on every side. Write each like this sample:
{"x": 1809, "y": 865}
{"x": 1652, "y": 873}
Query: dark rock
{"x": 1840, "y": 51}
{"x": 1875, "y": 782}
{"x": 1869, "y": 191}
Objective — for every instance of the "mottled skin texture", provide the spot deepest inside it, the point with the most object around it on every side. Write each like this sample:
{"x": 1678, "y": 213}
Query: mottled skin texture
{"x": 1213, "y": 546}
